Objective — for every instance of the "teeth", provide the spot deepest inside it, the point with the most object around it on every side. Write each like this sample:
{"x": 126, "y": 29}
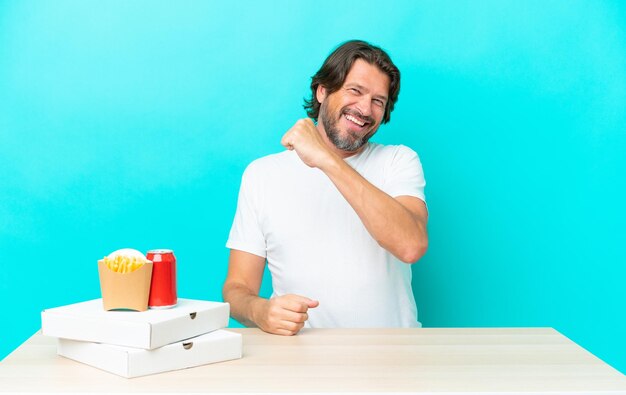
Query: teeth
{"x": 353, "y": 119}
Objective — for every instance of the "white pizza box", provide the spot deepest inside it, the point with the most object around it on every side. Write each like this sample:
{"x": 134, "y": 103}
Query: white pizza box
{"x": 130, "y": 362}
{"x": 88, "y": 321}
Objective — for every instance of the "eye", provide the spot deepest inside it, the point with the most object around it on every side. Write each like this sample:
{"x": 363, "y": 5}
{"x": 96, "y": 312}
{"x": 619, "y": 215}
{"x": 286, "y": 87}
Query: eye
{"x": 354, "y": 90}
{"x": 379, "y": 102}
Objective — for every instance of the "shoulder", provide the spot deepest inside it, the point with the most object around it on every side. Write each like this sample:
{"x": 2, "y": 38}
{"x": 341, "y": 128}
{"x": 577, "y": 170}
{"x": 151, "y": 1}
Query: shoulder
{"x": 392, "y": 153}
{"x": 268, "y": 163}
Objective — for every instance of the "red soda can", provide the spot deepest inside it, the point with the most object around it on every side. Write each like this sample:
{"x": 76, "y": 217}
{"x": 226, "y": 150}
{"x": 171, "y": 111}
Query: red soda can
{"x": 163, "y": 287}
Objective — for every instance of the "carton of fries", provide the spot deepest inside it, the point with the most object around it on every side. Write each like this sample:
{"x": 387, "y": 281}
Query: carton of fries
{"x": 125, "y": 277}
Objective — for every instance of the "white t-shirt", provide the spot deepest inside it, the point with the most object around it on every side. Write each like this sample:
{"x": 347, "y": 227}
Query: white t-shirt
{"x": 316, "y": 245}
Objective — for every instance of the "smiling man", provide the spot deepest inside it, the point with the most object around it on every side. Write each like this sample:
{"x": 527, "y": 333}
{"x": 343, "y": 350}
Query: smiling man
{"x": 336, "y": 218}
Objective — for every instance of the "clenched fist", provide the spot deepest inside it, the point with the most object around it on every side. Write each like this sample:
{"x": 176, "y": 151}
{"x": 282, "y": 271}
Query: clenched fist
{"x": 305, "y": 139}
{"x": 285, "y": 315}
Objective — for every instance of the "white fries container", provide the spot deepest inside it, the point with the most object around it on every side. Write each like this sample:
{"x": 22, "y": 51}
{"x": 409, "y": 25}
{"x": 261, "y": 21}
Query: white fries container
{"x": 150, "y": 329}
{"x": 130, "y": 362}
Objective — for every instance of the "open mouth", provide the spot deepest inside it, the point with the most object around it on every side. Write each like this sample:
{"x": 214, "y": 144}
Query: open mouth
{"x": 356, "y": 120}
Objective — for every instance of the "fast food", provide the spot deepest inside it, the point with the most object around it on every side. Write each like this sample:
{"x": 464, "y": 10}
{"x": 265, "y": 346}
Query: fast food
{"x": 125, "y": 260}
{"x": 125, "y": 277}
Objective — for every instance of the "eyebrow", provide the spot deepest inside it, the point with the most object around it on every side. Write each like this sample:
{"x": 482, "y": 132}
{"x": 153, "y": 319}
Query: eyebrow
{"x": 355, "y": 85}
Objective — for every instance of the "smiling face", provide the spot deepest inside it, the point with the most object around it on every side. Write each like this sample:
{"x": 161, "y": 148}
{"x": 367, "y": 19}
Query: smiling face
{"x": 352, "y": 114}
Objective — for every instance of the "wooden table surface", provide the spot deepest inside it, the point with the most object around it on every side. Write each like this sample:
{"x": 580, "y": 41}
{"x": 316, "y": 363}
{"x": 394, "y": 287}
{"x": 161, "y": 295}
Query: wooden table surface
{"x": 420, "y": 361}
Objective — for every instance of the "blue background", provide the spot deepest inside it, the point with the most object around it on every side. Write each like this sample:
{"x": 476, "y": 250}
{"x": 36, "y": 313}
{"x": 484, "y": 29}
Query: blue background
{"x": 128, "y": 124}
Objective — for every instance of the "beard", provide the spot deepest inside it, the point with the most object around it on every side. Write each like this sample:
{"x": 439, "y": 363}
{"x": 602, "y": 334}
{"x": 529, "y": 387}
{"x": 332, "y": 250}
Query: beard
{"x": 350, "y": 142}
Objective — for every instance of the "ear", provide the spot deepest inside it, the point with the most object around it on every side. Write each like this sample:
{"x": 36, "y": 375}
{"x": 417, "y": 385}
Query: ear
{"x": 320, "y": 94}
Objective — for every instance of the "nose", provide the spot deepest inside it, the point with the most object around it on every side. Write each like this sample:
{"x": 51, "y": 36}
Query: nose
{"x": 364, "y": 105}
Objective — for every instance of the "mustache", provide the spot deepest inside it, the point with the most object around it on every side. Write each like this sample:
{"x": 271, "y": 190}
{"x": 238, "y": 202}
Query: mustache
{"x": 357, "y": 114}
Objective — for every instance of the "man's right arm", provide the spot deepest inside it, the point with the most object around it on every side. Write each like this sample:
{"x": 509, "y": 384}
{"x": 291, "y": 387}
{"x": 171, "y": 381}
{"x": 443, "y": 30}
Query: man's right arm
{"x": 282, "y": 315}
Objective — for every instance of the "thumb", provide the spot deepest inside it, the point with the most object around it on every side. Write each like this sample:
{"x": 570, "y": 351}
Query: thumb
{"x": 285, "y": 143}
{"x": 312, "y": 303}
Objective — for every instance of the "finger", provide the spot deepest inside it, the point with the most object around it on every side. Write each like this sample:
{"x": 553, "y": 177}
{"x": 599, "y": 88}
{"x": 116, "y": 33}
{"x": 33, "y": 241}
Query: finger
{"x": 297, "y": 303}
{"x": 288, "y": 311}
{"x": 305, "y": 122}
{"x": 309, "y": 303}
{"x": 288, "y": 145}
{"x": 310, "y": 122}
{"x": 285, "y": 141}
{"x": 293, "y": 327}
{"x": 283, "y": 332}
{"x": 292, "y": 316}
{"x": 295, "y": 306}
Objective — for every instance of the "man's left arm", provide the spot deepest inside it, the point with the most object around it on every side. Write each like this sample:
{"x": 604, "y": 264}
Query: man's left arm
{"x": 397, "y": 224}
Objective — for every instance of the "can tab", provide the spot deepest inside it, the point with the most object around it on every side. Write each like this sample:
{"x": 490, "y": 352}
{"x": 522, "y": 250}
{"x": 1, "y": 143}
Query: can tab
{"x": 192, "y": 315}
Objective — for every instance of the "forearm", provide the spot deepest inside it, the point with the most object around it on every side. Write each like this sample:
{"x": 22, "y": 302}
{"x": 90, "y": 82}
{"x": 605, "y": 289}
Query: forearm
{"x": 392, "y": 225}
{"x": 244, "y": 303}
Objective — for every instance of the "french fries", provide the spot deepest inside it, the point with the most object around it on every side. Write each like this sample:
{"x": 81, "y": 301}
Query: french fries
{"x": 124, "y": 264}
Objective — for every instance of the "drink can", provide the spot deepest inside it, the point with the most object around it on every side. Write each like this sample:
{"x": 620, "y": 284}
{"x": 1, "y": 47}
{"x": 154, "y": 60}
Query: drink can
{"x": 163, "y": 287}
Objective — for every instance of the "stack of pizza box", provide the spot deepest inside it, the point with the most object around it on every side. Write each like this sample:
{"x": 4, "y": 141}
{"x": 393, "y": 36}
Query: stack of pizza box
{"x": 138, "y": 343}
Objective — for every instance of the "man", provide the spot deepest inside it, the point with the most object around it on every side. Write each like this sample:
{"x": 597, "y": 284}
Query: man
{"x": 335, "y": 217}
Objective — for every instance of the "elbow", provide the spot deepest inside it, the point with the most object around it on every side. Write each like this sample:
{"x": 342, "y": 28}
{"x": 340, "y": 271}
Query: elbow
{"x": 225, "y": 293}
{"x": 413, "y": 252}
{"x": 226, "y": 288}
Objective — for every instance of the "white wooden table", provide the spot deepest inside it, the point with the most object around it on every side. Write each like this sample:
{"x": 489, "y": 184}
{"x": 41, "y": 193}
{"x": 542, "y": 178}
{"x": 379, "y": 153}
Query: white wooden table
{"x": 420, "y": 361}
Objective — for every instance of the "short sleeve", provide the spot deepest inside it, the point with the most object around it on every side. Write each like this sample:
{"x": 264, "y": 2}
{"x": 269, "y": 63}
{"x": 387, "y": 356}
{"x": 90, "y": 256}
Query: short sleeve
{"x": 245, "y": 233}
{"x": 405, "y": 176}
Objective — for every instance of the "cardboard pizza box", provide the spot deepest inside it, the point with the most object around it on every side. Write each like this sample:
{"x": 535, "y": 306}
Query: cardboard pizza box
{"x": 217, "y": 346}
{"x": 150, "y": 329}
